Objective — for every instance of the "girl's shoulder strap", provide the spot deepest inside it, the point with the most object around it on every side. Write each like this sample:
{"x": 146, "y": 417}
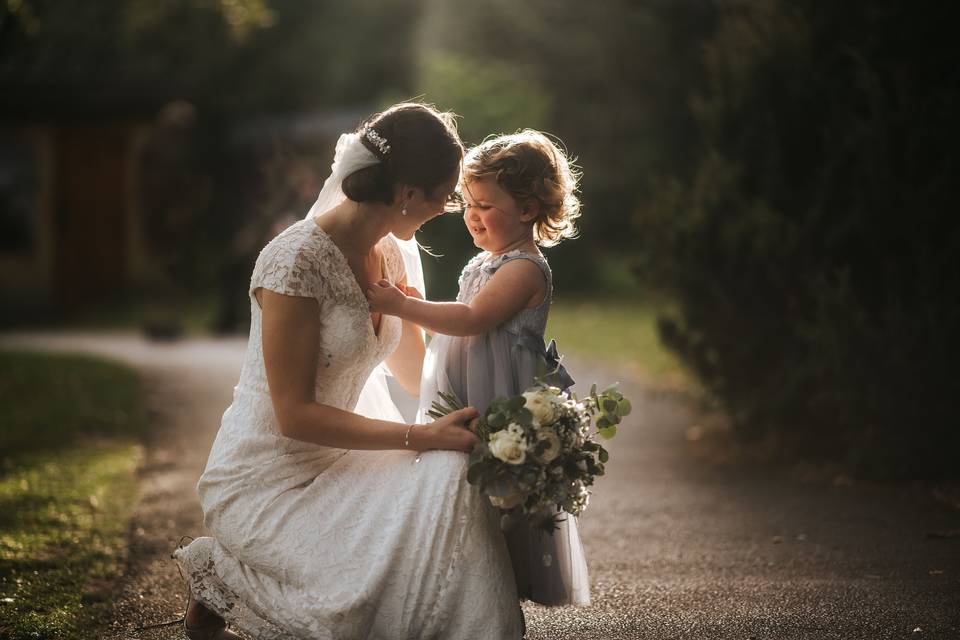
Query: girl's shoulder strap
{"x": 491, "y": 266}
{"x": 510, "y": 256}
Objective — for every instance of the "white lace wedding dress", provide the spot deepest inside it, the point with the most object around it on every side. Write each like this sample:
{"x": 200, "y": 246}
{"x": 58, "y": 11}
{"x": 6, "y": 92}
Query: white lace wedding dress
{"x": 313, "y": 542}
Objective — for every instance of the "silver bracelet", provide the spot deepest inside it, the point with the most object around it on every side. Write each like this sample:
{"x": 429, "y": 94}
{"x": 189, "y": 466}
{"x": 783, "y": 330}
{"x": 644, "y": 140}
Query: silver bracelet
{"x": 406, "y": 436}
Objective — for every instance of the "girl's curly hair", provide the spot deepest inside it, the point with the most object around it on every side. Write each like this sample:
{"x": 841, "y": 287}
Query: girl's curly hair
{"x": 530, "y": 166}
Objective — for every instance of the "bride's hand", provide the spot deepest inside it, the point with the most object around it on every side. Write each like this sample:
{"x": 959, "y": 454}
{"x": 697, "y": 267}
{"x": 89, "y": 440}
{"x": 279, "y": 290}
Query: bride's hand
{"x": 385, "y": 298}
{"x": 449, "y": 432}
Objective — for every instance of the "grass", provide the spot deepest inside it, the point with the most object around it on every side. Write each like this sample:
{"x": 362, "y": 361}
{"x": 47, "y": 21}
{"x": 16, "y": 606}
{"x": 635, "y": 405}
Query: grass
{"x": 50, "y": 401}
{"x": 621, "y": 331}
{"x": 71, "y": 425}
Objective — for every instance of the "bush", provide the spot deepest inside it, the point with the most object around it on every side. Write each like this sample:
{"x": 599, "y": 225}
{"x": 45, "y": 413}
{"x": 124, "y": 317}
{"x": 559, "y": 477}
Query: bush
{"x": 813, "y": 249}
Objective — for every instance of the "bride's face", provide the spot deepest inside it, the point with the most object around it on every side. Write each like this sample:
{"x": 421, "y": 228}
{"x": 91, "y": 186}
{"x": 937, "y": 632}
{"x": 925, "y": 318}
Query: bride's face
{"x": 422, "y": 208}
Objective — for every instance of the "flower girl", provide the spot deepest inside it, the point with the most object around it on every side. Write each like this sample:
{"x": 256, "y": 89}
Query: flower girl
{"x": 520, "y": 194}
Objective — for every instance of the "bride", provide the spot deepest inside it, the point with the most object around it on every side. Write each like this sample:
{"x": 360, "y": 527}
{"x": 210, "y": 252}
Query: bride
{"x": 325, "y": 523}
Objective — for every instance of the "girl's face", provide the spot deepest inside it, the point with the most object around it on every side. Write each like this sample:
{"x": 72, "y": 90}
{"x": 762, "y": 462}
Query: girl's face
{"x": 494, "y": 219}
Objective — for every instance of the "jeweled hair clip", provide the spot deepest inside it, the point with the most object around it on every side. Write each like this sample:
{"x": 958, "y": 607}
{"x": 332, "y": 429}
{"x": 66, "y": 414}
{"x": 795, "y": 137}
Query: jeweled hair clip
{"x": 377, "y": 140}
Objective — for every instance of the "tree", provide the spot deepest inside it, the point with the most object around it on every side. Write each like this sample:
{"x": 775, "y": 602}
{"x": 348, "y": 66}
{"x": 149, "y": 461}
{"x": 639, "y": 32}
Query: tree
{"x": 610, "y": 79}
{"x": 813, "y": 248}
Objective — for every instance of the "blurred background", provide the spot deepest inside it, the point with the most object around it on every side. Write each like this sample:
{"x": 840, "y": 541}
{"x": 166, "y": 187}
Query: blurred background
{"x": 770, "y": 185}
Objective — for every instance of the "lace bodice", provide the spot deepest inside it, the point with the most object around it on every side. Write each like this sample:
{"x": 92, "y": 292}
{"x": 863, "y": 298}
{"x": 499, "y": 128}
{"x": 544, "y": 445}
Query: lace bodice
{"x": 303, "y": 261}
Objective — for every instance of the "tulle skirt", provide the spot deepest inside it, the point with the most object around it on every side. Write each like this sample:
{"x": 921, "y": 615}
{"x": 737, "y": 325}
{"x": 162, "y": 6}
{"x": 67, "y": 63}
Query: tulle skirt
{"x": 549, "y": 569}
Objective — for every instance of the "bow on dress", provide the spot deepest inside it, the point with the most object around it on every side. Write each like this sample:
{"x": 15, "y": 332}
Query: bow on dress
{"x": 553, "y": 372}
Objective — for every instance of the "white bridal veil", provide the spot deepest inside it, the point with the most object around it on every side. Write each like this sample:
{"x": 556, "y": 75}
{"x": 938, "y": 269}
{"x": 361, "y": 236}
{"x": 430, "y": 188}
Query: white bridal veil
{"x": 351, "y": 155}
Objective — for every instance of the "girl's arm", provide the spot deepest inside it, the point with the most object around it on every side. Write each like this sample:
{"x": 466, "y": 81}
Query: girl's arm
{"x": 291, "y": 333}
{"x": 517, "y": 285}
{"x": 406, "y": 361}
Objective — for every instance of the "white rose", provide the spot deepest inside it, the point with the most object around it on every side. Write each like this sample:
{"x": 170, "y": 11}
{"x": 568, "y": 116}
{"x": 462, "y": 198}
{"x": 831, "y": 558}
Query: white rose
{"x": 508, "y": 446}
{"x": 540, "y": 403}
{"x": 553, "y": 441}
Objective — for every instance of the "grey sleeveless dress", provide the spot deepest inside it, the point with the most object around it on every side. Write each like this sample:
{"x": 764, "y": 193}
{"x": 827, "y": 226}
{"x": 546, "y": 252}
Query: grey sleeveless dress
{"x": 505, "y": 361}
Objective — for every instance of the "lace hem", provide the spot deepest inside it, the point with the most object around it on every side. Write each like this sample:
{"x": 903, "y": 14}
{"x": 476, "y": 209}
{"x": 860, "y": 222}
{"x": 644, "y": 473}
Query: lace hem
{"x": 198, "y": 567}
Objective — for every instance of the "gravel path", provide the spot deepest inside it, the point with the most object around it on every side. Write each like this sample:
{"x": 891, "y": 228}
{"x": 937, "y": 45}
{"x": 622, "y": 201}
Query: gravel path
{"x": 676, "y": 548}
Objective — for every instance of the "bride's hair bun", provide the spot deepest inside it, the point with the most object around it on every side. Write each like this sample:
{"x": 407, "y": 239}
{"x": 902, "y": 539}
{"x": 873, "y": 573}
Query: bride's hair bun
{"x": 371, "y": 184}
{"x": 423, "y": 150}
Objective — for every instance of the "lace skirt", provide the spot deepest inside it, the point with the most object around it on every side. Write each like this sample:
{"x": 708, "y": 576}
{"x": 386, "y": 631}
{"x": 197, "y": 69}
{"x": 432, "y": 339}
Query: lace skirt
{"x": 375, "y": 546}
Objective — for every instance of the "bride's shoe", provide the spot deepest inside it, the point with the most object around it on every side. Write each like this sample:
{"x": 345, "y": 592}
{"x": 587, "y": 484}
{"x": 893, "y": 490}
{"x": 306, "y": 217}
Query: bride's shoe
{"x": 215, "y": 630}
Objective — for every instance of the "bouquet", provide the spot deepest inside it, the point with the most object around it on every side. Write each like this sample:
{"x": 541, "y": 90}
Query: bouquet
{"x": 538, "y": 453}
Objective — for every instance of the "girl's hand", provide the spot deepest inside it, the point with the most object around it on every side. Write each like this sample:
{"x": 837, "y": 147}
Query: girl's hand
{"x": 386, "y": 298}
{"x": 449, "y": 432}
{"x": 411, "y": 292}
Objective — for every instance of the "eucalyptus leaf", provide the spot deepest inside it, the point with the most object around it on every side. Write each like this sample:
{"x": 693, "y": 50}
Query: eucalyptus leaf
{"x": 474, "y": 472}
{"x": 496, "y": 407}
{"x": 487, "y": 478}
{"x": 516, "y": 402}
{"x": 475, "y": 455}
{"x": 501, "y": 485}
{"x": 607, "y": 432}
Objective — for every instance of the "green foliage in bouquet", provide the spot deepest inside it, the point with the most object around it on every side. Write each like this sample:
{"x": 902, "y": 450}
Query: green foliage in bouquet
{"x": 538, "y": 453}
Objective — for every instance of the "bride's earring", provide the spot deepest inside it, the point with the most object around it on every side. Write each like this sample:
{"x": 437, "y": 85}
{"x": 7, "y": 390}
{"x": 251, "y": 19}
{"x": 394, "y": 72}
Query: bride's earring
{"x": 403, "y": 211}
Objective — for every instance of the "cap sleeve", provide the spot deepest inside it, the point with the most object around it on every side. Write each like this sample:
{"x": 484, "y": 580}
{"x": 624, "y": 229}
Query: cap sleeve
{"x": 289, "y": 266}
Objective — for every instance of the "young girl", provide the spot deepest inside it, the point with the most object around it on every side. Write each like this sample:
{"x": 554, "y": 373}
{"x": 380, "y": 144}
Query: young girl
{"x": 519, "y": 192}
